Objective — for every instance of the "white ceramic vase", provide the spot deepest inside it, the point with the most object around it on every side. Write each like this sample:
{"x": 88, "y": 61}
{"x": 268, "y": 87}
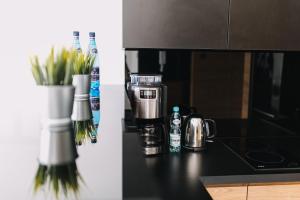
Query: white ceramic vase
{"x": 82, "y": 107}
{"x": 57, "y": 145}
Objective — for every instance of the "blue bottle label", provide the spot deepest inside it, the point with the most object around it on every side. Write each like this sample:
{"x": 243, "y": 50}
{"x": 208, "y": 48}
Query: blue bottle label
{"x": 95, "y": 103}
{"x": 95, "y": 74}
{"x": 94, "y": 91}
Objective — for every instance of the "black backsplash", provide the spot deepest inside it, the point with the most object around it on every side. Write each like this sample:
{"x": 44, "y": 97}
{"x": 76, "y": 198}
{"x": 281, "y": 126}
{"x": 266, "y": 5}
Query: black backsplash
{"x": 176, "y": 71}
{"x": 177, "y": 64}
{"x": 276, "y": 88}
{"x": 275, "y": 82}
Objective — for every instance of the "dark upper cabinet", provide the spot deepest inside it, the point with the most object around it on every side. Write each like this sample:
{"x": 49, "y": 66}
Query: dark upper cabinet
{"x": 264, "y": 25}
{"x": 212, "y": 24}
{"x": 180, "y": 24}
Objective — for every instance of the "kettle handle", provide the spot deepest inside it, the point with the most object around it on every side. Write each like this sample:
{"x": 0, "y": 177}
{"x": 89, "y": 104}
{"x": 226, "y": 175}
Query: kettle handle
{"x": 209, "y": 134}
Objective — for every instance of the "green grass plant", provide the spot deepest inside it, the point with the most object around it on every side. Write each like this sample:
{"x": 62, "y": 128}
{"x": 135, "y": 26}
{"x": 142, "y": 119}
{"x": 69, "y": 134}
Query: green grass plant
{"x": 57, "y": 70}
{"x": 59, "y": 178}
{"x": 83, "y": 131}
{"x": 83, "y": 63}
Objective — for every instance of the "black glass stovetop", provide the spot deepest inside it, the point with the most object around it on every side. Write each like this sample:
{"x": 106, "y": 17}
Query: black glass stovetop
{"x": 267, "y": 153}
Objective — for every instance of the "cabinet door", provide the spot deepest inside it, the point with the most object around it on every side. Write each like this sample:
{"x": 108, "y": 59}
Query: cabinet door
{"x": 228, "y": 193}
{"x": 274, "y": 192}
{"x": 180, "y": 24}
{"x": 264, "y": 24}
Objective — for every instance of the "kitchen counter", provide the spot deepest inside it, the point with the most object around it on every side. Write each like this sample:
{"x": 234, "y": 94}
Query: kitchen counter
{"x": 138, "y": 181}
{"x": 100, "y": 164}
{"x": 183, "y": 175}
{"x": 143, "y": 178}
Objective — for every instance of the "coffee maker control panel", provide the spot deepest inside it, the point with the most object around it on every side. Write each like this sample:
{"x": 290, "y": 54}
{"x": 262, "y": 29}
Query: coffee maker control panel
{"x": 147, "y": 94}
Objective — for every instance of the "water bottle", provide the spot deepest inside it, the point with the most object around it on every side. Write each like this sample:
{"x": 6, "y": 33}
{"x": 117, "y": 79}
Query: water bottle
{"x": 76, "y": 43}
{"x": 175, "y": 131}
{"x": 95, "y": 81}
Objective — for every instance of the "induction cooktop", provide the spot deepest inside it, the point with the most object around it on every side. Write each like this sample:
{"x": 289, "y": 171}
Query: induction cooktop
{"x": 267, "y": 153}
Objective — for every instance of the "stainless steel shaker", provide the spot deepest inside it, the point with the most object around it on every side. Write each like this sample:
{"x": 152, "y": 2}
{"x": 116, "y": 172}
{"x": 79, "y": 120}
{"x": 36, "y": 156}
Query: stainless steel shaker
{"x": 197, "y": 131}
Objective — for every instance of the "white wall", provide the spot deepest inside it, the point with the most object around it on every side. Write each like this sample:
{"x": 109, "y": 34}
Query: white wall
{"x": 33, "y": 26}
{"x": 29, "y": 27}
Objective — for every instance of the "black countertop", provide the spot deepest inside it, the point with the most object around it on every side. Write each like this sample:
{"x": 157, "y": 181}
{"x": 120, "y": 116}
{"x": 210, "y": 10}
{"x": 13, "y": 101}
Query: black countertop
{"x": 138, "y": 181}
{"x": 158, "y": 177}
{"x": 183, "y": 175}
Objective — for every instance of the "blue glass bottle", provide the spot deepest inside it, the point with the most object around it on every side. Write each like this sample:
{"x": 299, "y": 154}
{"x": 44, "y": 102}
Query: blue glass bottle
{"x": 76, "y": 42}
{"x": 95, "y": 80}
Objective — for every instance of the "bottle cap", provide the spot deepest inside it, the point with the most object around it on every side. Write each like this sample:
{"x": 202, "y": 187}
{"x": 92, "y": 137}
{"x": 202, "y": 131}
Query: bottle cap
{"x": 75, "y": 33}
{"x": 175, "y": 109}
{"x": 92, "y": 34}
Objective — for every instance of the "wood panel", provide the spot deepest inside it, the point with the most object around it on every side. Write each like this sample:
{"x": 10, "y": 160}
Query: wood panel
{"x": 217, "y": 83}
{"x": 246, "y": 86}
{"x": 274, "y": 192}
{"x": 228, "y": 193}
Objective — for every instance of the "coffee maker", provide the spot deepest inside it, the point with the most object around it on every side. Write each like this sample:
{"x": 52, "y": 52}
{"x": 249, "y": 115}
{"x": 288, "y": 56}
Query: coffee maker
{"x": 148, "y": 98}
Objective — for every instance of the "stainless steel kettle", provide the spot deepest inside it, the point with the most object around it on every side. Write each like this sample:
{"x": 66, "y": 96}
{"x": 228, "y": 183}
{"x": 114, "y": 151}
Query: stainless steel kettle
{"x": 197, "y": 131}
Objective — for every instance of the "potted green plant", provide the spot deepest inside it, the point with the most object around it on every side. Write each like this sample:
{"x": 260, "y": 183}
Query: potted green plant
{"x": 82, "y": 113}
{"x": 57, "y": 166}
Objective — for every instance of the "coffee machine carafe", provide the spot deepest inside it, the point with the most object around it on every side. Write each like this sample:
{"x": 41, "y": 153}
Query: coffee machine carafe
{"x": 148, "y": 98}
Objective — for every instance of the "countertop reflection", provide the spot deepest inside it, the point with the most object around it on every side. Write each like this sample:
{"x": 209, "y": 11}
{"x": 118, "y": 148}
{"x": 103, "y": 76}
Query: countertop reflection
{"x": 100, "y": 164}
